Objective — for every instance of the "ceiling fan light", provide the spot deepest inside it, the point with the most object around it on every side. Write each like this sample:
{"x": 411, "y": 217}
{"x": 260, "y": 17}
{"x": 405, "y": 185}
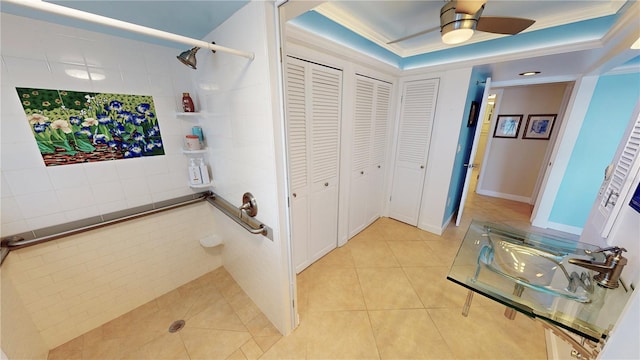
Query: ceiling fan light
{"x": 456, "y": 36}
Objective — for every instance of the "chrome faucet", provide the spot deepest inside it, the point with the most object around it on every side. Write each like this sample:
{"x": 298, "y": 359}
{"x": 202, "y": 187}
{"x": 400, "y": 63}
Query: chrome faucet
{"x": 609, "y": 271}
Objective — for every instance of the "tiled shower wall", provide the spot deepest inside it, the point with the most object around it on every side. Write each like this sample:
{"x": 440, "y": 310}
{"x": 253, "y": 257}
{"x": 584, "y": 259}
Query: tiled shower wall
{"x": 56, "y": 291}
{"x": 36, "y": 54}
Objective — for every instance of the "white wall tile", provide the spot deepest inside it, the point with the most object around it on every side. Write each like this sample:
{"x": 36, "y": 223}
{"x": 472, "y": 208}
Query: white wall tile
{"x": 101, "y": 172}
{"x": 10, "y": 210}
{"x": 68, "y": 176}
{"x": 61, "y": 73}
{"x": 105, "y": 192}
{"x": 22, "y": 155}
{"x": 5, "y": 190}
{"x": 111, "y": 83}
{"x": 28, "y": 73}
{"x": 130, "y": 168}
{"x": 38, "y": 204}
{"x": 28, "y": 181}
{"x": 76, "y": 197}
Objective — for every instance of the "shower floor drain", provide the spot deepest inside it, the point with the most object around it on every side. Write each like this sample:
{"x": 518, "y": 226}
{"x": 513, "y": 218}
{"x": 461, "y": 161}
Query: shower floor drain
{"x": 176, "y": 326}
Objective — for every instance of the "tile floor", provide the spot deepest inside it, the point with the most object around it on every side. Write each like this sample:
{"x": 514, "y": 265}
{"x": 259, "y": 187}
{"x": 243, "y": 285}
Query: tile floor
{"x": 382, "y": 296}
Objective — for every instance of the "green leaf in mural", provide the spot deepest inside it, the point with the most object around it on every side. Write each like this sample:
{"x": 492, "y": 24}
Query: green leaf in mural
{"x": 46, "y": 147}
{"x": 84, "y": 146}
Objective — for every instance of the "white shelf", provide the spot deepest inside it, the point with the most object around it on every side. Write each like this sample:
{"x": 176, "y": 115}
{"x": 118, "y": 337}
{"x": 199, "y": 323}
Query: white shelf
{"x": 201, "y": 186}
{"x": 201, "y": 151}
{"x": 188, "y": 114}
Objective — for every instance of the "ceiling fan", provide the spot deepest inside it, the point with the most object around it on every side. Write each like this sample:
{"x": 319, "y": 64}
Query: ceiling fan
{"x": 460, "y": 18}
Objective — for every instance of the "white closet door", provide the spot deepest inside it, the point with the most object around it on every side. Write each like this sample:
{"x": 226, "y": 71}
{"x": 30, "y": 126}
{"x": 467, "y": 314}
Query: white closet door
{"x": 360, "y": 154}
{"x": 416, "y": 123}
{"x": 378, "y": 150}
{"x": 296, "y": 116}
{"x": 326, "y": 100}
{"x": 313, "y": 109}
{"x": 369, "y": 146}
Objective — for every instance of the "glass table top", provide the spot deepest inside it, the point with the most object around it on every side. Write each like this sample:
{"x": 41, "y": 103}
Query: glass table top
{"x": 530, "y": 272}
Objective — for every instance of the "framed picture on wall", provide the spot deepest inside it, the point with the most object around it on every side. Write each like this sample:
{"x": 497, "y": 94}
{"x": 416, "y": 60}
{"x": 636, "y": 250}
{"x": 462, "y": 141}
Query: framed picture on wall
{"x": 507, "y": 126}
{"x": 473, "y": 114}
{"x": 539, "y": 126}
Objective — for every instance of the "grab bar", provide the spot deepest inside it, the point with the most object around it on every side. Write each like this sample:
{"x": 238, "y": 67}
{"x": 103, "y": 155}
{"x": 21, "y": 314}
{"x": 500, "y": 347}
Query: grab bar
{"x": 248, "y": 208}
{"x": 14, "y": 242}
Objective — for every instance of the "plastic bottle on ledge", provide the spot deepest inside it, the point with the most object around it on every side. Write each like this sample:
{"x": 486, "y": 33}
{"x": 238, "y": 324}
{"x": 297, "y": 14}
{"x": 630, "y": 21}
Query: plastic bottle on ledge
{"x": 187, "y": 103}
{"x": 204, "y": 171}
{"x": 195, "y": 177}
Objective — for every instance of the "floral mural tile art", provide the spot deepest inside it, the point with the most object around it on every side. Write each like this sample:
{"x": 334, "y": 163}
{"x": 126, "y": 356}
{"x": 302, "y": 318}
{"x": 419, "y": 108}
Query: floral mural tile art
{"x": 73, "y": 127}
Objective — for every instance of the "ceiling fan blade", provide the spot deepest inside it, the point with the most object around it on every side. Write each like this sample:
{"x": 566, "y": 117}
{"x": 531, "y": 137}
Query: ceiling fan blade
{"x": 413, "y": 35}
{"x": 468, "y": 6}
{"x": 503, "y": 25}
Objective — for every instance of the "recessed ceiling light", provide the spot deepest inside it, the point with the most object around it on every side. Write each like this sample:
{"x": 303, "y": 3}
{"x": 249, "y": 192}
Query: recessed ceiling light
{"x": 529, "y": 73}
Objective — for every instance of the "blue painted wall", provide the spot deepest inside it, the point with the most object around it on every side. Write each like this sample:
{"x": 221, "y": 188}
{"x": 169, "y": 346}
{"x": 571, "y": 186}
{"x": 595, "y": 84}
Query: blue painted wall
{"x": 608, "y": 115}
{"x": 465, "y": 139}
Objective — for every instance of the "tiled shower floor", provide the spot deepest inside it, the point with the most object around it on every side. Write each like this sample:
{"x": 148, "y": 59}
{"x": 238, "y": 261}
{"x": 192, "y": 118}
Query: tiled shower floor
{"x": 221, "y": 322}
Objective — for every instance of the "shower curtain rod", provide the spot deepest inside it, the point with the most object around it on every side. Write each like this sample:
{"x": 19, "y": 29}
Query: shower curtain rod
{"x": 123, "y": 25}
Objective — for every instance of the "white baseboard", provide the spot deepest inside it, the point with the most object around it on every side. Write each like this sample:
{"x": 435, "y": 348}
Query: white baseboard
{"x": 565, "y": 228}
{"x": 431, "y": 228}
{"x": 519, "y": 198}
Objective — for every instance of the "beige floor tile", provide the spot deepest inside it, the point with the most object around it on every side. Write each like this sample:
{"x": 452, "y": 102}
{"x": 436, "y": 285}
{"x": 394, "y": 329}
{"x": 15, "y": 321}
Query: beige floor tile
{"x": 387, "y": 288}
{"x": 335, "y": 289}
{"x": 435, "y": 291}
{"x": 251, "y": 350}
{"x": 340, "y": 335}
{"x": 261, "y": 326}
{"x": 212, "y": 344}
{"x": 407, "y": 334}
{"x": 266, "y": 342}
{"x": 218, "y": 315}
{"x": 413, "y": 253}
{"x": 292, "y": 346}
{"x": 165, "y": 347}
{"x": 487, "y": 334}
{"x": 244, "y": 307}
{"x": 337, "y": 258}
{"x": 372, "y": 254}
{"x": 237, "y": 355}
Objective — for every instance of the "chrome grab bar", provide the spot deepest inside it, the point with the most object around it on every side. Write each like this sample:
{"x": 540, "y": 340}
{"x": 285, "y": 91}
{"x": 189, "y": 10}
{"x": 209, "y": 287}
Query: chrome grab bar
{"x": 249, "y": 207}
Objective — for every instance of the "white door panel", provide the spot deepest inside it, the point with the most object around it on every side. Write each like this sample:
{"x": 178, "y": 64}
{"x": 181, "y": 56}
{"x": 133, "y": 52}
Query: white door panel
{"x": 416, "y": 124}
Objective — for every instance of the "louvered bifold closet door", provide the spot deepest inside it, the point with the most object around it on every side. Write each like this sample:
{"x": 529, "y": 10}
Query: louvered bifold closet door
{"x": 625, "y": 169}
{"x": 297, "y": 153}
{"x": 369, "y": 138}
{"x": 379, "y": 150}
{"x": 360, "y": 153}
{"x": 416, "y": 123}
{"x": 313, "y": 111}
{"x": 326, "y": 111}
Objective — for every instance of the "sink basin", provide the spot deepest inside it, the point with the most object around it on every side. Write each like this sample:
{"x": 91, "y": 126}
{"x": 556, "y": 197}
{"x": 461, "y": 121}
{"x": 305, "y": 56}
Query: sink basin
{"x": 534, "y": 265}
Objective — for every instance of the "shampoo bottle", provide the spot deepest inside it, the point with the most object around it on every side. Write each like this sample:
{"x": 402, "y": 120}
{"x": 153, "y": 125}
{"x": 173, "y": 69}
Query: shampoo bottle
{"x": 204, "y": 172}
{"x": 195, "y": 177}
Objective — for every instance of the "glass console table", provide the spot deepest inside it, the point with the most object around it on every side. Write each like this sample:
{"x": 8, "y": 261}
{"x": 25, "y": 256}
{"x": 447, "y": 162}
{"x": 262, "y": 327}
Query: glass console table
{"x": 530, "y": 273}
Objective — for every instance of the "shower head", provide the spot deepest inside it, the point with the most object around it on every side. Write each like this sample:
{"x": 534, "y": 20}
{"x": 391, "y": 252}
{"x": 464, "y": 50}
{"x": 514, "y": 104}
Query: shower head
{"x": 188, "y": 57}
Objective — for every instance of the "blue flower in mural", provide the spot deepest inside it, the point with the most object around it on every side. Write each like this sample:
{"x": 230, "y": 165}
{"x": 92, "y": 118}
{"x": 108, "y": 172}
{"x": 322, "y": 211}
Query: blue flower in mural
{"x": 143, "y": 108}
{"x": 114, "y": 105}
{"x": 126, "y": 116}
{"x": 100, "y": 139}
{"x": 104, "y": 119}
{"x": 138, "y": 137}
{"x": 154, "y": 131}
{"x": 84, "y": 131}
{"x": 157, "y": 143}
{"x": 113, "y": 143}
{"x": 75, "y": 120}
{"x": 139, "y": 120}
{"x": 149, "y": 147}
{"x": 39, "y": 127}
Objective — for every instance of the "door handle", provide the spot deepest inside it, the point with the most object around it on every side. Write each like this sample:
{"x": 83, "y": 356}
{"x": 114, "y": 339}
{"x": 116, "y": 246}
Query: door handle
{"x": 326, "y": 184}
{"x": 470, "y": 166}
{"x": 421, "y": 166}
{"x": 612, "y": 193}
